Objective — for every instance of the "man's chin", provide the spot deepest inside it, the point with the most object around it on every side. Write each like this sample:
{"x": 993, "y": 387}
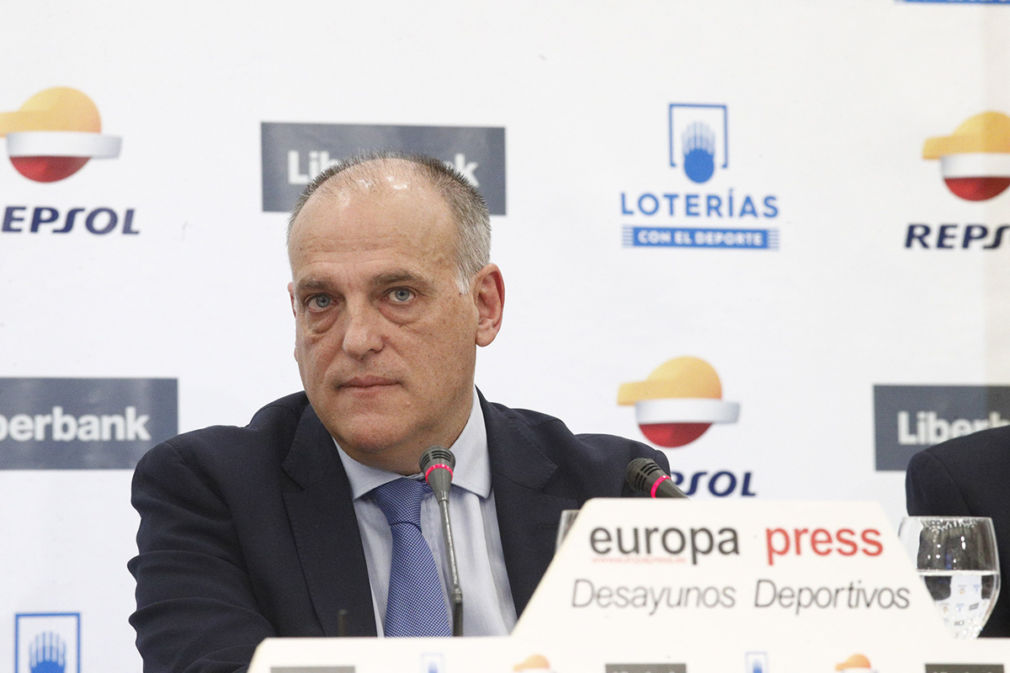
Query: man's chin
{"x": 377, "y": 443}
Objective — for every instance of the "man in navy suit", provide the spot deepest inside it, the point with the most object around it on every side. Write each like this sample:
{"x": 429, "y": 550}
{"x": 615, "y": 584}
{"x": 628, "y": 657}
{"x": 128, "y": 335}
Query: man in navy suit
{"x": 272, "y": 529}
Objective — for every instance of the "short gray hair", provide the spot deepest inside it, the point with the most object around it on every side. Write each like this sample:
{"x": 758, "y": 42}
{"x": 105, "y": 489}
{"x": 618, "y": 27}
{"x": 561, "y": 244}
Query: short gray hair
{"x": 468, "y": 208}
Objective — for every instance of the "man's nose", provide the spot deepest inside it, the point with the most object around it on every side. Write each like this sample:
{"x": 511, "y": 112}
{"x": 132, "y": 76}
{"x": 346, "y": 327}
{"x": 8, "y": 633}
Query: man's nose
{"x": 362, "y": 333}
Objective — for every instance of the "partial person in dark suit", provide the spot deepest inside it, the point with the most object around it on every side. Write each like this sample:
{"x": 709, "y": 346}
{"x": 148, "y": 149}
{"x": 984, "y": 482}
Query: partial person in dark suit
{"x": 969, "y": 476}
{"x": 271, "y": 529}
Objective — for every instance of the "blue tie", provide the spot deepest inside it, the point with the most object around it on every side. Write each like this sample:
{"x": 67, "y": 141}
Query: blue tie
{"x": 415, "y": 605}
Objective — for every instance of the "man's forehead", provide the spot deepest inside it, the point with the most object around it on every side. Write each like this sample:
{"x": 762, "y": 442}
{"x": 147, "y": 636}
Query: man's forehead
{"x": 375, "y": 181}
{"x": 379, "y": 174}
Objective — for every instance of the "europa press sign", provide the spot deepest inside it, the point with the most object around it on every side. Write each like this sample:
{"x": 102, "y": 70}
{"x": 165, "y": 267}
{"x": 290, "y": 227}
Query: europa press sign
{"x": 647, "y": 568}
{"x": 83, "y": 423}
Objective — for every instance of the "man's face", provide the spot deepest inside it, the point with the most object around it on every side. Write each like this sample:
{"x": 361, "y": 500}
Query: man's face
{"x": 385, "y": 341}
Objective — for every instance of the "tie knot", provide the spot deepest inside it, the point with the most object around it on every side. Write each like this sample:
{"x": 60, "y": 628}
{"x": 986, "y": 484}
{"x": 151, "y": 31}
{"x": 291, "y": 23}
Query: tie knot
{"x": 400, "y": 500}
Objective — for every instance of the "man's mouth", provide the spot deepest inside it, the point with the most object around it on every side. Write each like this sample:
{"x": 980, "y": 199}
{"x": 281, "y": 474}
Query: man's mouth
{"x": 367, "y": 382}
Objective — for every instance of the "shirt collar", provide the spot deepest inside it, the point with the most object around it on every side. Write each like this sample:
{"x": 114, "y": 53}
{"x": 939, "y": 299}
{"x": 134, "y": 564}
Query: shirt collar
{"x": 472, "y": 471}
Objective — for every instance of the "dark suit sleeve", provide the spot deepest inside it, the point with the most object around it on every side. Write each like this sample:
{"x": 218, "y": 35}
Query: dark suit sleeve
{"x": 196, "y": 611}
{"x": 931, "y": 489}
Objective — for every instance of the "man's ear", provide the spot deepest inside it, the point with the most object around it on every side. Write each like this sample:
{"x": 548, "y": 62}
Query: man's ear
{"x": 489, "y": 295}
{"x": 291, "y": 293}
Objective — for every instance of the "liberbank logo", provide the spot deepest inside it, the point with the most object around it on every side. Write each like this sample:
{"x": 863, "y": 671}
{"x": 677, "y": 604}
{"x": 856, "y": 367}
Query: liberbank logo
{"x": 293, "y": 154}
{"x": 702, "y": 195}
{"x": 674, "y": 406}
{"x": 974, "y": 162}
{"x": 908, "y": 419}
{"x": 83, "y": 423}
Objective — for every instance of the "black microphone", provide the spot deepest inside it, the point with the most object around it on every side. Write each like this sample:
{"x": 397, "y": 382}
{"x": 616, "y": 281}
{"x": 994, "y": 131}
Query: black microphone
{"x": 436, "y": 463}
{"x": 644, "y": 475}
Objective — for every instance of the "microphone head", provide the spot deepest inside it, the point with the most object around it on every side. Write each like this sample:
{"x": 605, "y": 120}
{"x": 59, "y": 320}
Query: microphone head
{"x": 642, "y": 473}
{"x": 436, "y": 455}
{"x": 437, "y": 464}
{"x": 645, "y": 476}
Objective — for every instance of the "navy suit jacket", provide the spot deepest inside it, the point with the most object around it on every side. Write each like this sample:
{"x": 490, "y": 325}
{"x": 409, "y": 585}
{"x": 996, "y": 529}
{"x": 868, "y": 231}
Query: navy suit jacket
{"x": 249, "y": 533}
{"x": 969, "y": 476}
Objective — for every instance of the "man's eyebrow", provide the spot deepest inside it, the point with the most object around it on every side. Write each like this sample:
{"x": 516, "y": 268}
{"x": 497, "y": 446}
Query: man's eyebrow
{"x": 397, "y": 276}
{"x": 312, "y": 284}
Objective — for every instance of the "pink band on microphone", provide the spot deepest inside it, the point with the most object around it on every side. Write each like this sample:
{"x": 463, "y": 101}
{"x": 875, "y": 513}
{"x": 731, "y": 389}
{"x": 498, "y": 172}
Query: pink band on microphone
{"x": 659, "y": 481}
{"x": 443, "y": 465}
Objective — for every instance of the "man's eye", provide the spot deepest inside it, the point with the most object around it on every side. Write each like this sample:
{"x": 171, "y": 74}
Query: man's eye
{"x": 401, "y": 295}
{"x": 320, "y": 301}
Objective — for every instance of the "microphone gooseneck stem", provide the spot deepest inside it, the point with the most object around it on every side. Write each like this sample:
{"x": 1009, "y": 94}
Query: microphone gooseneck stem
{"x": 437, "y": 463}
{"x": 455, "y": 592}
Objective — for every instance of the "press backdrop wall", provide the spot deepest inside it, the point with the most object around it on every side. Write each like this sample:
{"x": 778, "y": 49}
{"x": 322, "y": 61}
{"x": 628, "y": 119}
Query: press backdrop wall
{"x": 849, "y": 325}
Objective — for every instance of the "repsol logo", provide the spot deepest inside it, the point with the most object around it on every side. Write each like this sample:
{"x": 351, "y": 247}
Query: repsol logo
{"x": 47, "y": 219}
{"x": 720, "y": 483}
{"x": 672, "y": 543}
{"x": 955, "y": 236}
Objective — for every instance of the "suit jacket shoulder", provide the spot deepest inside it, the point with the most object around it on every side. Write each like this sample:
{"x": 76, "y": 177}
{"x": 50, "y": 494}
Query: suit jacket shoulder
{"x": 539, "y": 468}
{"x": 245, "y": 533}
{"x": 581, "y": 465}
{"x": 962, "y": 475}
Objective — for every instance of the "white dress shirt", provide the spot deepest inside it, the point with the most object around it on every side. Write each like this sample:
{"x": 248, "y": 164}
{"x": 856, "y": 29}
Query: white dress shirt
{"x": 488, "y": 609}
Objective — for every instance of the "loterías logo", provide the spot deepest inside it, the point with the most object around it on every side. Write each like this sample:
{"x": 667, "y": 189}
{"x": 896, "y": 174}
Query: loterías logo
{"x": 47, "y": 642}
{"x": 55, "y": 133}
{"x": 681, "y": 214}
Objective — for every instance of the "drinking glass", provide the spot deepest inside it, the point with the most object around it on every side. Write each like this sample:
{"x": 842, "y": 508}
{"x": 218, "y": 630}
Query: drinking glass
{"x": 956, "y": 558}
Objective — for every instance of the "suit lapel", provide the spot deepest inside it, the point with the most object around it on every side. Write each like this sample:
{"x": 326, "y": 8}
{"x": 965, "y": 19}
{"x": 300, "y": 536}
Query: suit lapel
{"x": 326, "y": 533}
{"x": 527, "y": 515}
